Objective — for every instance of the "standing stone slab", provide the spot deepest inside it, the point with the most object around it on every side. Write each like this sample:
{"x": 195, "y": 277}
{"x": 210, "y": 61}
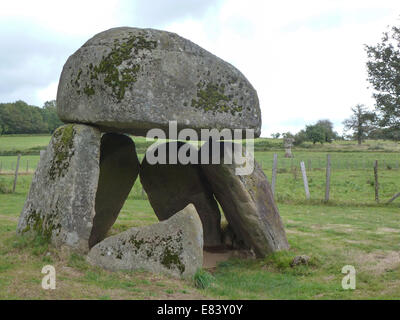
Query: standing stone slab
{"x": 248, "y": 204}
{"x": 171, "y": 187}
{"x": 173, "y": 247}
{"x": 72, "y": 199}
{"x": 61, "y": 199}
{"x": 132, "y": 80}
{"x": 119, "y": 168}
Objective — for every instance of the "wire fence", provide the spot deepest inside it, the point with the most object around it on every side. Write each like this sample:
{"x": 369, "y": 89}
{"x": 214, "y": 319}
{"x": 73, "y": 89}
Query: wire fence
{"x": 289, "y": 175}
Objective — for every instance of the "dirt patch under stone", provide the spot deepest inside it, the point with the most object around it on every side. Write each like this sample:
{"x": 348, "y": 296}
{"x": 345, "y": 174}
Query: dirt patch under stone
{"x": 213, "y": 256}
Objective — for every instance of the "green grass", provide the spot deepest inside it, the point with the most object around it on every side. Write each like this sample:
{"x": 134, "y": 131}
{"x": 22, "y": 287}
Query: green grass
{"x": 349, "y": 230}
{"x": 333, "y": 236}
{"x": 26, "y": 144}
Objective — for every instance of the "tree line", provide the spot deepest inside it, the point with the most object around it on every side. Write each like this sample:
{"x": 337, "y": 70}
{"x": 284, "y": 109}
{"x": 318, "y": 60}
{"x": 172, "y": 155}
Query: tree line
{"x": 19, "y": 118}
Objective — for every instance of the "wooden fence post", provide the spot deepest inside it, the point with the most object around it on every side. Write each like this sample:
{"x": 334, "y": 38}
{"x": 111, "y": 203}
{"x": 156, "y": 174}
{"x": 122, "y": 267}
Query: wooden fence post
{"x": 16, "y": 173}
{"x": 273, "y": 178}
{"x": 328, "y": 177}
{"x": 376, "y": 181}
{"x": 303, "y": 172}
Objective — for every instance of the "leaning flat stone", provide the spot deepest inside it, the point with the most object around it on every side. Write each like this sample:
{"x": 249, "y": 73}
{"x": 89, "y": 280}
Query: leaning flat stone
{"x": 171, "y": 187}
{"x": 66, "y": 189}
{"x": 247, "y": 203}
{"x": 173, "y": 247}
{"x": 119, "y": 168}
{"x": 132, "y": 80}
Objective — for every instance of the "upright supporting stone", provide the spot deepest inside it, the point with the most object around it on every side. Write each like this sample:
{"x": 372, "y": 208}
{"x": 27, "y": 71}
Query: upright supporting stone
{"x": 247, "y": 201}
{"x": 61, "y": 200}
{"x": 171, "y": 187}
{"x": 65, "y": 190}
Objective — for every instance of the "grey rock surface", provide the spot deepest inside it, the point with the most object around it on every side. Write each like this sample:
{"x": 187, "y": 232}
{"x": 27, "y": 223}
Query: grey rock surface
{"x": 61, "y": 200}
{"x": 173, "y": 247}
{"x": 132, "y": 80}
{"x": 79, "y": 186}
{"x": 171, "y": 187}
{"x": 299, "y": 260}
{"x": 247, "y": 202}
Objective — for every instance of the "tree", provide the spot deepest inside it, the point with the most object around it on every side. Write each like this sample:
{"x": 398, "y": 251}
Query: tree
{"x": 384, "y": 74}
{"x": 315, "y": 133}
{"x": 361, "y": 122}
{"x": 49, "y": 113}
{"x": 275, "y": 135}
{"x": 19, "y": 117}
{"x": 327, "y": 126}
{"x": 300, "y": 137}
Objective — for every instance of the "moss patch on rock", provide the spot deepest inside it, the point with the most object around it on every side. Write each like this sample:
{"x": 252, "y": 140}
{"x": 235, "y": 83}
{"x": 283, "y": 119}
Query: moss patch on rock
{"x": 211, "y": 97}
{"x": 117, "y": 69}
{"x": 167, "y": 250}
{"x": 63, "y": 140}
{"x": 44, "y": 225}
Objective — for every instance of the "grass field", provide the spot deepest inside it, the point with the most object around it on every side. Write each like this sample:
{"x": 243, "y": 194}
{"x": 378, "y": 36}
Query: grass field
{"x": 350, "y": 230}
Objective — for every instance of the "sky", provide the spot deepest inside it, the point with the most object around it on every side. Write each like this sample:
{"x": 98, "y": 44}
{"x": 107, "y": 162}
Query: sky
{"x": 306, "y": 59}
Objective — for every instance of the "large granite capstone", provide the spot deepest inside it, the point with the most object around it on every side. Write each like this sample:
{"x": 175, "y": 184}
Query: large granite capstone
{"x": 133, "y": 80}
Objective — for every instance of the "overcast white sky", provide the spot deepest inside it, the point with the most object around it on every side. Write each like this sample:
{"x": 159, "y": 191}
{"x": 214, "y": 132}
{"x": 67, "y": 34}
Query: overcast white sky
{"x": 306, "y": 59}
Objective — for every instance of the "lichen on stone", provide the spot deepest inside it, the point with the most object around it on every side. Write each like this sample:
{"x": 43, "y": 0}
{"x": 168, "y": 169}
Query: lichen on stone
{"x": 45, "y": 225}
{"x": 116, "y": 69}
{"x": 170, "y": 257}
{"x": 63, "y": 140}
{"x": 211, "y": 97}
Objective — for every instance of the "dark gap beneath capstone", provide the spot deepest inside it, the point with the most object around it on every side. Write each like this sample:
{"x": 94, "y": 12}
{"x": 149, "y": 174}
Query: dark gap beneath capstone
{"x": 119, "y": 168}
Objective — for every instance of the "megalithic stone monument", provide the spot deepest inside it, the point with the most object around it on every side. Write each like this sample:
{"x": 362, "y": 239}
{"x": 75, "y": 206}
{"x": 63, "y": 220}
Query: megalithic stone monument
{"x": 129, "y": 81}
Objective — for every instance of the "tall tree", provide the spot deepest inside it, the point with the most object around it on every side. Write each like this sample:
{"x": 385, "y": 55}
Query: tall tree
{"x": 384, "y": 74}
{"x": 361, "y": 122}
{"x": 327, "y": 125}
{"x": 315, "y": 133}
{"x": 49, "y": 113}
